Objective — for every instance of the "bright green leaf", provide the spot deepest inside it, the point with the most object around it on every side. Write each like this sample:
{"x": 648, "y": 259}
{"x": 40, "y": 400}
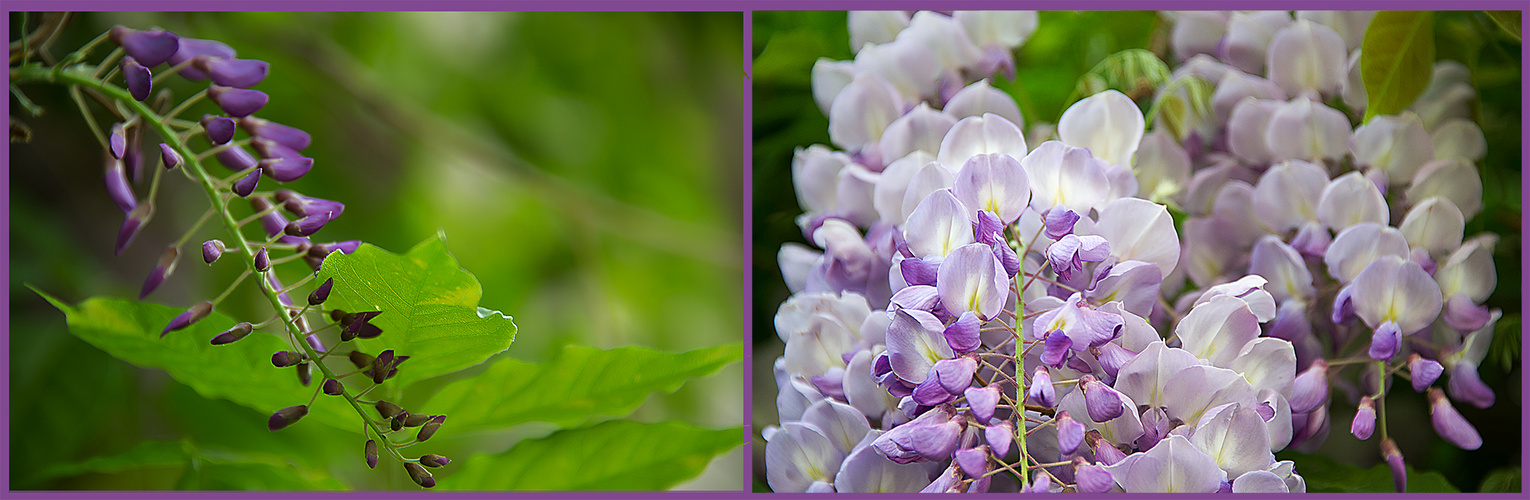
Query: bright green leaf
{"x": 210, "y": 469}
{"x": 1325, "y": 475}
{"x": 614, "y": 455}
{"x": 581, "y": 383}
{"x": 240, "y": 372}
{"x": 429, "y": 304}
{"x": 146, "y": 454}
{"x": 1397, "y": 60}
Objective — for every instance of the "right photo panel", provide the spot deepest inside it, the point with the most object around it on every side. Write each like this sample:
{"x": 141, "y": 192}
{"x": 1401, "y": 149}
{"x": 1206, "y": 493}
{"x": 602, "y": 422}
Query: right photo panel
{"x": 1136, "y": 251}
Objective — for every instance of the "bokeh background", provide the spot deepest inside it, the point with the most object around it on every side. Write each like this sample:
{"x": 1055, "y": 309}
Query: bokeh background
{"x": 586, "y": 167}
{"x": 1067, "y": 45}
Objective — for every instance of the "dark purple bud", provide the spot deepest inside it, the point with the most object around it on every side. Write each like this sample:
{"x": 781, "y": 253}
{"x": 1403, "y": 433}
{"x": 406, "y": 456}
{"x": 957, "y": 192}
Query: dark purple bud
{"x": 1055, "y": 351}
{"x": 290, "y": 137}
{"x": 1386, "y": 341}
{"x": 1000, "y": 437}
{"x": 211, "y": 250}
{"x": 283, "y": 359}
{"x": 220, "y": 129}
{"x": 1091, "y": 478}
{"x": 262, "y": 260}
{"x": 168, "y": 156}
{"x": 150, "y": 47}
{"x": 1104, "y": 452}
{"x": 964, "y": 334}
{"x": 303, "y": 206}
{"x": 304, "y": 373}
{"x": 132, "y": 225}
{"x": 243, "y": 187}
{"x": 287, "y": 169}
{"x": 1103, "y": 402}
{"x": 1070, "y": 432}
{"x": 1041, "y": 391}
{"x": 192, "y": 315}
{"x": 1365, "y": 419}
{"x": 398, "y": 420}
{"x": 419, "y": 475}
{"x": 371, "y": 454}
{"x": 1423, "y": 371}
{"x": 239, "y": 331}
{"x": 360, "y": 359}
{"x": 236, "y": 158}
{"x": 416, "y": 419}
{"x": 982, "y": 401}
{"x": 162, "y": 270}
{"x": 333, "y": 387}
{"x": 118, "y": 187}
{"x": 237, "y": 102}
{"x": 434, "y": 460}
{"x": 1059, "y": 222}
{"x": 1450, "y": 424}
{"x": 429, "y": 429}
{"x": 139, "y": 80}
{"x": 190, "y": 48}
{"x": 1394, "y": 460}
{"x": 287, "y": 416}
{"x": 1310, "y": 389}
{"x": 229, "y": 72}
{"x": 973, "y": 461}
{"x": 318, "y": 295}
{"x": 386, "y": 409}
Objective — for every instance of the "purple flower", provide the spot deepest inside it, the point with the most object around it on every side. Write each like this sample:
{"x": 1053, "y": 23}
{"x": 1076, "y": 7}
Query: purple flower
{"x": 971, "y": 279}
{"x": 1449, "y": 423}
{"x": 192, "y": 315}
{"x": 1041, "y": 390}
{"x": 162, "y": 270}
{"x": 930, "y": 437}
{"x": 239, "y": 331}
{"x": 118, "y": 187}
{"x": 1386, "y": 341}
{"x": 1091, "y": 478}
{"x": 1070, "y": 433}
{"x": 1068, "y": 254}
{"x": 1394, "y": 460}
{"x": 1055, "y": 351}
{"x": 287, "y": 416}
{"x": 191, "y": 48}
{"x": 1000, "y": 437}
{"x": 237, "y": 102}
{"x": 286, "y": 169}
{"x": 211, "y": 250}
{"x": 1103, "y": 402}
{"x": 236, "y": 158}
{"x": 1311, "y": 388}
{"x": 150, "y": 47}
{"x": 1423, "y": 371}
{"x": 303, "y": 206}
{"x": 139, "y": 81}
{"x": 168, "y": 156}
{"x": 243, "y": 187}
{"x": 973, "y": 461}
{"x": 982, "y": 401}
{"x": 291, "y": 137}
{"x": 320, "y": 294}
{"x": 220, "y": 129}
{"x": 1059, "y": 222}
{"x": 238, "y": 73}
{"x": 948, "y": 378}
{"x": 1365, "y": 419}
{"x": 132, "y": 225}
{"x": 964, "y": 334}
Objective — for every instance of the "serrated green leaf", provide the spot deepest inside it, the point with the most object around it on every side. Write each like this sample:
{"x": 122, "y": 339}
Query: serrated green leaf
{"x": 581, "y": 383}
{"x": 429, "y": 304}
{"x": 240, "y": 372}
{"x": 1325, "y": 475}
{"x": 1397, "y": 60}
{"x": 614, "y": 455}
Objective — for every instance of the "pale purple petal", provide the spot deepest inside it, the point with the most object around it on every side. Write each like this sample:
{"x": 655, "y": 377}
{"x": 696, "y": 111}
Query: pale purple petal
{"x": 1060, "y": 174}
{"x": 938, "y": 226}
{"x": 1423, "y": 372}
{"x": 921, "y": 129}
{"x": 1360, "y": 245}
{"x": 915, "y": 343}
{"x": 981, "y": 98}
{"x": 1108, "y": 124}
{"x": 971, "y": 279}
{"x": 977, "y": 135}
{"x": 1306, "y": 57}
{"x": 1070, "y": 433}
{"x": 995, "y": 183}
{"x": 1449, "y": 423}
{"x": 1395, "y": 290}
{"x": 1138, "y": 229}
{"x": 862, "y": 110}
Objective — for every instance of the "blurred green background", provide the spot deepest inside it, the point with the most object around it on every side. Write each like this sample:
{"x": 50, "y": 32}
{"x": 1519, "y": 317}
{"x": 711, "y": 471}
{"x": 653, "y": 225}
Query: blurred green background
{"x": 584, "y": 166}
{"x": 1067, "y": 45}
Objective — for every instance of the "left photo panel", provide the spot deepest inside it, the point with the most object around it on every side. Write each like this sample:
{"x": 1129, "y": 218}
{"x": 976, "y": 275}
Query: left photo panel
{"x": 376, "y": 251}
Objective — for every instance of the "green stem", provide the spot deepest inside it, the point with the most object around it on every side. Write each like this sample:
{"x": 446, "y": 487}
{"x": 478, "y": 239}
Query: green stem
{"x": 1381, "y": 399}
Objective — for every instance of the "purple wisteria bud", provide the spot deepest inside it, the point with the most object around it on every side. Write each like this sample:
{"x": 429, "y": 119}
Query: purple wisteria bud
{"x": 982, "y": 401}
{"x": 1059, "y": 222}
{"x": 312, "y": 224}
{"x": 1386, "y": 341}
{"x": 286, "y": 169}
{"x": 290, "y": 137}
{"x": 333, "y": 387}
{"x": 273, "y": 222}
{"x": 1041, "y": 391}
{"x": 192, "y": 315}
{"x": 237, "y": 102}
{"x": 262, "y": 260}
{"x": 1070, "y": 432}
{"x": 964, "y": 335}
{"x": 1311, "y": 388}
{"x": 429, "y": 429}
{"x": 117, "y": 185}
{"x": 1104, "y": 452}
{"x": 287, "y": 416}
{"x": 320, "y": 294}
{"x": 168, "y": 156}
{"x": 1068, "y": 254}
{"x": 236, "y": 158}
{"x": 397, "y": 422}
{"x": 1423, "y": 371}
{"x": 1450, "y": 424}
{"x": 150, "y": 47}
{"x": 220, "y": 129}
{"x": 132, "y": 225}
{"x": 419, "y": 475}
{"x": 239, "y": 331}
{"x": 245, "y": 186}
{"x": 1103, "y": 402}
{"x": 162, "y": 270}
{"x": 1056, "y": 349}
{"x": 303, "y": 206}
{"x": 238, "y": 73}
{"x": 973, "y": 461}
{"x": 190, "y": 48}
{"x": 371, "y": 453}
{"x": 283, "y": 359}
{"x": 211, "y": 250}
{"x": 1000, "y": 437}
{"x": 1365, "y": 419}
{"x": 304, "y": 373}
{"x": 1394, "y": 460}
{"x": 434, "y": 460}
{"x": 1091, "y": 478}
{"x": 140, "y": 82}
{"x": 415, "y": 419}
{"x": 386, "y": 409}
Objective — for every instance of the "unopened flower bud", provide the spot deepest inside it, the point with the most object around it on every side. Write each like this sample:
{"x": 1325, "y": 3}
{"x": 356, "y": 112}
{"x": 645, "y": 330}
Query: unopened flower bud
{"x": 386, "y": 409}
{"x": 371, "y": 454}
{"x": 149, "y": 47}
{"x": 287, "y": 416}
{"x": 1041, "y": 390}
{"x": 118, "y": 187}
{"x": 262, "y": 260}
{"x": 283, "y": 359}
{"x": 434, "y": 460}
{"x": 239, "y": 331}
{"x": 192, "y": 315}
{"x": 1102, "y": 402}
{"x": 291, "y": 137}
{"x": 429, "y": 429}
{"x": 1394, "y": 460}
{"x": 1091, "y": 478}
{"x": 360, "y": 359}
{"x": 287, "y": 169}
{"x": 220, "y": 129}
{"x": 1423, "y": 371}
{"x": 973, "y": 461}
{"x": 162, "y": 270}
{"x": 1310, "y": 389}
{"x": 1365, "y": 419}
{"x": 1000, "y": 438}
{"x": 131, "y": 226}
{"x": 237, "y": 102}
{"x": 333, "y": 387}
{"x": 1386, "y": 341}
{"x": 140, "y": 82}
{"x": 1070, "y": 432}
{"x": 236, "y": 158}
{"x": 211, "y": 250}
{"x": 416, "y": 419}
{"x": 397, "y": 422}
{"x": 304, "y": 373}
{"x": 303, "y": 206}
{"x": 419, "y": 475}
{"x": 308, "y": 225}
{"x": 1450, "y": 424}
{"x": 243, "y": 187}
{"x": 229, "y": 72}
{"x": 117, "y": 141}
{"x": 190, "y": 48}
{"x": 169, "y": 157}
{"x": 320, "y": 294}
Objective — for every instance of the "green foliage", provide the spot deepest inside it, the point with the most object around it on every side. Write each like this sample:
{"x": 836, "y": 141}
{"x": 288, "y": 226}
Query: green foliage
{"x": 1509, "y": 20}
{"x": 1398, "y": 60}
{"x": 580, "y": 384}
{"x": 1134, "y": 72}
{"x": 615, "y": 455}
{"x": 207, "y": 469}
{"x": 430, "y": 307}
{"x": 1505, "y": 480}
{"x": 1325, "y": 475}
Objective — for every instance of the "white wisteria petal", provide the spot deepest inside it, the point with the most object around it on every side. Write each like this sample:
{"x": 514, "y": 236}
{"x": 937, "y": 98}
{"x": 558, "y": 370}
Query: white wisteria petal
{"x": 1237, "y": 85}
{"x": 875, "y": 26}
{"x": 1197, "y": 32}
{"x": 887, "y": 196}
{"x": 910, "y": 68}
{"x": 1307, "y": 57}
{"x": 1351, "y": 199}
{"x": 1349, "y": 24}
{"x": 919, "y": 130}
{"x": 977, "y": 135}
{"x": 1195, "y": 389}
{"x": 799, "y": 455}
{"x": 1458, "y": 138}
{"x": 829, "y": 78}
{"x": 1248, "y": 38}
{"x": 1162, "y": 166}
{"x": 1248, "y": 125}
{"x": 1060, "y": 174}
{"x": 1003, "y": 28}
{"x": 1267, "y": 363}
{"x": 1456, "y": 179}
{"x": 1146, "y": 375}
{"x": 1284, "y": 267}
{"x": 1357, "y": 246}
{"x": 938, "y": 226}
{"x": 995, "y": 183}
{"x": 1469, "y": 270}
{"x": 815, "y": 175}
{"x": 1108, "y": 124}
{"x": 862, "y": 111}
{"x": 1138, "y": 229}
{"x": 796, "y": 260}
{"x": 796, "y": 314}
{"x": 1394, "y": 289}
{"x": 1217, "y": 330}
{"x": 1235, "y": 437}
{"x": 1288, "y": 194}
{"x": 1435, "y": 225}
{"x": 1398, "y": 145}
{"x": 1305, "y": 130}
{"x": 928, "y": 179}
{"x": 981, "y": 98}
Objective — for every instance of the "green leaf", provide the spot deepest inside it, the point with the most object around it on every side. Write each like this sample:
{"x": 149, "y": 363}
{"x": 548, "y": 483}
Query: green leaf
{"x": 1134, "y": 72}
{"x": 1508, "y": 20}
{"x": 211, "y": 469}
{"x": 429, "y": 304}
{"x": 1325, "y": 475}
{"x": 1505, "y": 480}
{"x": 581, "y": 383}
{"x": 240, "y": 372}
{"x": 1397, "y": 60}
{"x": 615, "y": 455}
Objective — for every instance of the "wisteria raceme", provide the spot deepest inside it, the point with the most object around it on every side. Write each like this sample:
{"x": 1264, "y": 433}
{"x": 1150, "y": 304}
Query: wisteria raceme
{"x": 146, "y": 58}
{"x": 975, "y": 288}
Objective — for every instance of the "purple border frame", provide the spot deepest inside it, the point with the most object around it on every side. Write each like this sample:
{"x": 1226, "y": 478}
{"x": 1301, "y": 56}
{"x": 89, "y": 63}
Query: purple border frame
{"x": 746, "y": 7}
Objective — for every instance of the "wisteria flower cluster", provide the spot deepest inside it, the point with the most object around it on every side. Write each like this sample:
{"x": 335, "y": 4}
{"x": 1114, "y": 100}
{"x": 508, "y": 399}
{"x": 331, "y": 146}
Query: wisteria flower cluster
{"x": 988, "y": 309}
{"x": 230, "y": 135}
